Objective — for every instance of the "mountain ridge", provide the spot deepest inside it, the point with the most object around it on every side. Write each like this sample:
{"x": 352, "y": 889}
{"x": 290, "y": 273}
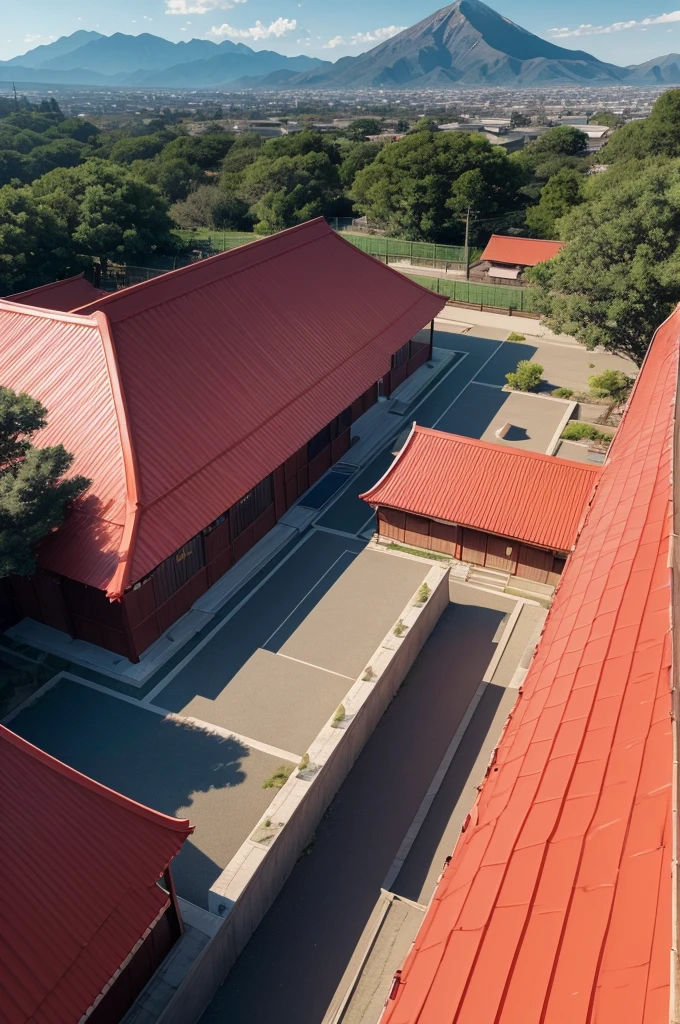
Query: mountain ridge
{"x": 466, "y": 43}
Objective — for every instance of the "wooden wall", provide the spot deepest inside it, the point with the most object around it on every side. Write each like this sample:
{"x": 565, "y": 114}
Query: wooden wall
{"x": 474, "y": 546}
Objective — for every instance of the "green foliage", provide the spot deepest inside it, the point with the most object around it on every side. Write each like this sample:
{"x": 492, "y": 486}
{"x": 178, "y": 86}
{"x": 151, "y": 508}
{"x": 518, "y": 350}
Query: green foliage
{"x": 339, "y": 715}
{"x": 210, "y": 207}
{"x": 562, "y": 393}
{"x": 369, "y": 674}
{"x": 578, "y": 431}
{"x": 526, "y": 377}
{"x": 34, "y": 241}
{"x": 514, "y": 336}
{"x": 519, "y": 120}
{"x": 423, "y": 593}
{"x": 359, "y": 155}
{"x": 614, "y": 384}
{"x": 619, "y": 276}
{"x": 561, "y": 193}
{"x": 34, "y": 495}
{"x": 420, "y": 552}
{"x": 304, "y": 763}
{"x": 143, "y": 147}
{"x": 419, "y": 187}
{"x": 279, "y": 778}
{"x": 658, "y": 135}
{"x": 564, "y": 140}
{"x": 364, "y": 126}
{"x": 606, "y": 118}
{"x": 399, "y": 628}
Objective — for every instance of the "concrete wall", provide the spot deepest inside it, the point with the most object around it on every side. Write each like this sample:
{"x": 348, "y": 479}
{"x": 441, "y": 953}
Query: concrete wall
{"x": 250, "y": 883}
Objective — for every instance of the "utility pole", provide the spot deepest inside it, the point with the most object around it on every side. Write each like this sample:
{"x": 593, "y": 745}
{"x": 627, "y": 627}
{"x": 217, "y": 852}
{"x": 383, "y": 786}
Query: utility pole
{"x": 467, "y": 245}
{"x": 16, "y": 101}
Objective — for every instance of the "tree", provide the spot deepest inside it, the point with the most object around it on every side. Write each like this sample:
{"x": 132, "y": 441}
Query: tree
{"x": 519, "y": 120}
{"x": 106, "y": 211}
{"x": 358, "y": 156}
{"x": 143, "y": 147}
{"x": 614, "y": 384}
{"x": 561, "y": 193}
{"x": 364, "y": 126}
{"x": 34, "y": 492}
{"x": 34, "y": 242}
{"x": 402, "y": 126}
{"x": 419, "y": 187}
{"x": 619, "y": 276}
{"x": 526, "y": 377}
{"x": 606, "y": 118}
{"x": 564, "y": 140}
{"x": 210, "y": 207}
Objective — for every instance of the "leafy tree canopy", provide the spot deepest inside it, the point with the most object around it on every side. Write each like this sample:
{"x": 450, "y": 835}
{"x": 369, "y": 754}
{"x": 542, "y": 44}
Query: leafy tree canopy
{"x": 658, "y": 135}
{"x": 34, "y": 493}
{"x": 364, "y": 126}
{"x": 619, "y": 276}
{"x": 559, "y": 195}
{"x": 419, "y": 188}
{"x": 211, "y": 207}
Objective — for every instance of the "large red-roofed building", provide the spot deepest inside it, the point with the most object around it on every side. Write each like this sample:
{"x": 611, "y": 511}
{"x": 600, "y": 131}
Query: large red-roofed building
{"x": 201, "y": 405}
{"x": 486, "y": 504}
{"x": 84, "y": 921}
{"x": 558, "y": 904}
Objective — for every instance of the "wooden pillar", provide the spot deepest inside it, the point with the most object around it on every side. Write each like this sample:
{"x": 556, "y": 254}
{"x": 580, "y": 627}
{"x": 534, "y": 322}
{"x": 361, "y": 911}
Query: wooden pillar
{"x": 429, "y": 355}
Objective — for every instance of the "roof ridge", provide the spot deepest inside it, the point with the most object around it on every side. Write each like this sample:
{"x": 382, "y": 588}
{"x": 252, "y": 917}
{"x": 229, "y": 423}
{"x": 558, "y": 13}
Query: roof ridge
{"x": 68, "y": 317}
{"x": 121, "y": 576}
{"x": 183, "y": 272}
{"x": 99, "y": 789}
{"x": 479, "y": 442}
{"x": 47, "y": 287}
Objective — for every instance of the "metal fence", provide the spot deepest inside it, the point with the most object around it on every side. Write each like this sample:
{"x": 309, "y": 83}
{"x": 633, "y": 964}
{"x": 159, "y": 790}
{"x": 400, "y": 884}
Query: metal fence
{"x": 375, "y": 245}
{"x": 496, "y": 296}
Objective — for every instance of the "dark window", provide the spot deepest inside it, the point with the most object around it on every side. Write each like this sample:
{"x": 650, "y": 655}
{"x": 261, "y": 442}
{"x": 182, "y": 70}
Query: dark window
{"x": 213, "y": 526}
{"x": 176, "y": 570}
{"x": 318, "y": 443}
{"x": 401, "y": 356}
{"x": 345, "y": 418}
{"x": 251, "y": 506}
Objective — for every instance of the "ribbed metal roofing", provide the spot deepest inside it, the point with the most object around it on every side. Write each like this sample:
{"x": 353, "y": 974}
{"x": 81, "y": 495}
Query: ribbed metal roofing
{"x": 79, "y": 865}
{"x": 556, "y": 906}
{"x": 210, "y": 377}
{"x": 60, "y": 295}
{"x": 523, "y": 252}
{"x": 529, "y": 497}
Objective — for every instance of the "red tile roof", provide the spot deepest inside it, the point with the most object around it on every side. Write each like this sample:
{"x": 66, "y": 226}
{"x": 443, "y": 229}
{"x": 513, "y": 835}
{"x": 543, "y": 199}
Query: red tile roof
{"x": 79, "y": 865}
{"x": 62, "y": 296}
{"x": 533, "y": 498}
{"x": 521, "y": 252}
{"x": 556, "y": 906}
{"x": 180, "y": 394}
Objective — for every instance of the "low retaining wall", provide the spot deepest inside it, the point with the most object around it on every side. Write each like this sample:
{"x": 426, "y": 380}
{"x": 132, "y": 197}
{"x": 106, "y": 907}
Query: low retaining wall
{"x": 250, "y": 883}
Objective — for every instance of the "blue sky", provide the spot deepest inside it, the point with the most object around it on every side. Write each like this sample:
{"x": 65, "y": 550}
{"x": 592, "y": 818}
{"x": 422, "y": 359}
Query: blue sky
{"x": 621, "y": 31}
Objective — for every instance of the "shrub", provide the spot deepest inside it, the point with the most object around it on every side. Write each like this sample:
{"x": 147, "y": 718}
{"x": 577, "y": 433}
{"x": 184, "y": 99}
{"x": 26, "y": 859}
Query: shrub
{"x": 611, "y": 384}
{"x": 562, "y": 393}
{"x": 267, "y": 822}
{"x": 399, "y": 628}
{"x": 526, "y": 377}
{"x": 423, "y": 593}
{"x": 339, "y": 715}
{"x": 369, "y": 674}
{"x": 577, "y": 431}
{"x": 304, "y": 763}
{"x": 279, "y": 778}
{"x": 514, "y": 336}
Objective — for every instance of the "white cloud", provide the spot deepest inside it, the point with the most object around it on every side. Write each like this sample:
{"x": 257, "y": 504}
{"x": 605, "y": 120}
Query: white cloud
{"x": 618, "y": 26}
{"x": 199, "y": 6}
{"x": 37, "y": 40}
{"x": 365, "y": 38}
{"x": 259, "y": 30}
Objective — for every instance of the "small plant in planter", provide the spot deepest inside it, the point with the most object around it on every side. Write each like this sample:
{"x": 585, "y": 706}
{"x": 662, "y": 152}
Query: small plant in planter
{"x": 279, "y": 778}
{"x": 424, "y": 594}
{"x": 514, "y": 336}
{"x": 399, "y": 628}
{"x": 369, "y": 674}
{"x": 339, "y": 715}
{"x": 304, "y": 763}
{"x": 267, "y": 822}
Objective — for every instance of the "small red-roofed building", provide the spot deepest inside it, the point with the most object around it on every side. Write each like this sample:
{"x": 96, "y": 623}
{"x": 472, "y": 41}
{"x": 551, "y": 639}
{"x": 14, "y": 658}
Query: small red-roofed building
{"x": 201, "y": 404}
{"x": 85, "y": 920}
{"x": 485, "y": 504}
{"x": 62, "y": 296}
{"x": 506, "y": 257}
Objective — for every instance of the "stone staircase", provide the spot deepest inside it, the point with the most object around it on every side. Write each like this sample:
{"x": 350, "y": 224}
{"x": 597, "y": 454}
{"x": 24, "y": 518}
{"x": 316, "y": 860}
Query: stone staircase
{"x": 490, "y": 579}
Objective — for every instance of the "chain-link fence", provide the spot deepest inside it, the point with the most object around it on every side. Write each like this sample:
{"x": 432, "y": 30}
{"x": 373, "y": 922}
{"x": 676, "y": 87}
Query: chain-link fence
{"x": 495, "y": 296}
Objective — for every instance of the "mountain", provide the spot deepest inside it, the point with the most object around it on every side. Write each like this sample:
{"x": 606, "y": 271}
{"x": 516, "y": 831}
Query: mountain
{"x": 60, "y": 47}
{"x": 120, "y": 53}
{"x": 659, "y": 71}
{"x": 466, "y": 43}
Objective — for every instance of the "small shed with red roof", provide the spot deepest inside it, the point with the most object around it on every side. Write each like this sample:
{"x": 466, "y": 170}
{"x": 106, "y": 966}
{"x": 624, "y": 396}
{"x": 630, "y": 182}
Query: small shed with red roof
{"x": 85, "y": 922}
{"x": 486, "y": 504}
{"x": 507, "y": 256}
{"x": 201, "y": 404}
{"x": 63, "y": 296}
